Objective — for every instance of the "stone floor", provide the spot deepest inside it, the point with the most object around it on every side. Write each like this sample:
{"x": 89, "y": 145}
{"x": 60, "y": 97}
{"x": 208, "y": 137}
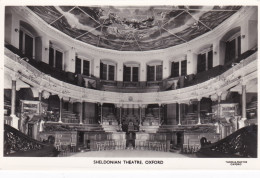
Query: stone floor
{"x": 129, "y": 153}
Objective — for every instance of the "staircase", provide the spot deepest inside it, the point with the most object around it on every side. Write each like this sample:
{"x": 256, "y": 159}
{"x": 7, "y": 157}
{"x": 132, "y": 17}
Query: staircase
{"x": 242, "y": 143}
{"x": 17, "y": 144}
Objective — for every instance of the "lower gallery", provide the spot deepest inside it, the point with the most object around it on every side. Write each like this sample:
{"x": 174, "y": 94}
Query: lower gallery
{"x": 160, "y": 81}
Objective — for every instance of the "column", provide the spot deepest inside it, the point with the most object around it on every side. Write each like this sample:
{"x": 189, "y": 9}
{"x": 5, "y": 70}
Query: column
{"x": 159, "y": 113}
{"x": 166, "y": 69}
{"x": 140, "y": 117}
{"x": 191, "y": 63}
{"x": 96, "y": 68}
{"x": 244, "y": 102}
{"x": 219, "y": 100}
{"x": 119, "y": 73}
{"x": 61, "y": 102}
{"x": 13, "y": 105}
{"x": 101, "y": 113}
{"x": 143, "y": 69}
{"x": 69, "y": 60}
{"x": 218, "y": 53}
{"x": 179, "y": 113}
{"x": 13, "y": 98}
{"x": 40, "y": 99}
{"x": 120, "y": 117}
{"x": 199, "y": 111}
{"x": 82, "y": 113}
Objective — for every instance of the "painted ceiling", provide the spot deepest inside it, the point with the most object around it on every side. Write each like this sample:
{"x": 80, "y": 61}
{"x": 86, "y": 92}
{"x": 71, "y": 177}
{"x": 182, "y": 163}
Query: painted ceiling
{"x": 134, "y": 28}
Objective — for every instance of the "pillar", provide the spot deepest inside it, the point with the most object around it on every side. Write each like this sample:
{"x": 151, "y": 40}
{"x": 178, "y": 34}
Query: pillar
{"x": 219, "y": 100}
{"x": 120, "y": 70}
{"x": 166, "y": 69}
{"x": 61, "y": 102}
{"x": 45, "y": 49}
{"x": 179, "y": 113}
{"x": 101, "y": 113}
{"x": 96, "y": 68}
{"x": 244, "y": 102}
{"x": 191, "y": 63}
{"x": 69, "y": 60}
{"x": 120, "y": 117}
{"x": 140, "y": 118}
{"x": 13, "y": 105}
{"x": 199, "y": 122}
{"x": 143, "y": 69}
{"x": 159, "y": 111}
{"x": 40, "y": 104}
{"x": 82, "y": 113}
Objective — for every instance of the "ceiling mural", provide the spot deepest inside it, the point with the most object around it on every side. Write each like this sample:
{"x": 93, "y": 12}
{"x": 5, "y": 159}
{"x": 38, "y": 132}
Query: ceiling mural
{"x": 134, "y": 28}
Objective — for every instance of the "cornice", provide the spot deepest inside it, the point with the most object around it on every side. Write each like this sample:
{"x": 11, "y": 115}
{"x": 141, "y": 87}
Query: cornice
{"x": 207, "y": 38}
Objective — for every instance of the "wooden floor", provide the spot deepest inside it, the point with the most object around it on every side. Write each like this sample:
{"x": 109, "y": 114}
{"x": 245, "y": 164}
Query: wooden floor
{"x": 129, "y": 153}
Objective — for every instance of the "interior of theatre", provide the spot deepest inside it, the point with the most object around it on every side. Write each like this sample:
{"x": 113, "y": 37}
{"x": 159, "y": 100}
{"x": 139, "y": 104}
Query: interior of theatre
{"x": 172, "y": 81}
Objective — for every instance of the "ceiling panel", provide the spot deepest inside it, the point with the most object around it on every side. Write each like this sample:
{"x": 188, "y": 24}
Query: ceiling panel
{"x": 134, "y": 28}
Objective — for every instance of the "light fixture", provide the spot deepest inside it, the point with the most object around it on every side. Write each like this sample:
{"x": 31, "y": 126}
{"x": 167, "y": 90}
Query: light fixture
{"x": 46, "y": 49}
{"x": 16, "y": 30}
{"x": 243, "y": 36}
{"x": 215, "y": 52}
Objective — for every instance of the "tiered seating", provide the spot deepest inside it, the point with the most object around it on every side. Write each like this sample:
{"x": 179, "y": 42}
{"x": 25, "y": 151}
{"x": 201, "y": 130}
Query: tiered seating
{"x": 110, "y": 119}
{"x": 190, "y": 119}
{"x": 69, "y": 117}
{"x": 151, "y": 120}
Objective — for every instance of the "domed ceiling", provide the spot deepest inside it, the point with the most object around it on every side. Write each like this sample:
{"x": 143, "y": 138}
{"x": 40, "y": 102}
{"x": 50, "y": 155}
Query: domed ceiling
{"x": 134, "y": 28}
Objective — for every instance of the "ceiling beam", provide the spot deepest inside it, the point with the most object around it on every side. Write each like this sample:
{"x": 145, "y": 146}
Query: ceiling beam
{"x": 87, "y": 32}
{"x": 87, "y": 14}
{"x": 60, "y": 16}
{"x": 174, "y": 35}
{"x": 198, "y": 20}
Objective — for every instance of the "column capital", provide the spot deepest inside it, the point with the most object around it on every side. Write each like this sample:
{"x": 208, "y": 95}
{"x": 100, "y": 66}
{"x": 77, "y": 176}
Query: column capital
{"x": 60, "y": 96}
{"x": 45, "y": 94}
{"x": 199, "y": 98}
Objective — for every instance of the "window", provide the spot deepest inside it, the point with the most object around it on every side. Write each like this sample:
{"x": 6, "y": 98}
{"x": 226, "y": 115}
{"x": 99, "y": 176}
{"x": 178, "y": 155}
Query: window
{"x": 183, "y": 67}
{"x": 154, "y": 72}
{"x": 233, "y": 48}
{"x": 131, "y": 73}
{"x": 175, "y": 69}
{"x": 82, "y": 66}
{"x": 107, "y": 71}
{"x": 55, "y": 58}
{"x": 26, "y": 43}
{"x": 205, "y": 61}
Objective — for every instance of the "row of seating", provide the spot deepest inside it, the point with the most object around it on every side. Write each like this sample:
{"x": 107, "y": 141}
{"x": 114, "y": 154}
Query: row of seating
{"x": 151, "y": 145}
{"x": 110, "y": 145}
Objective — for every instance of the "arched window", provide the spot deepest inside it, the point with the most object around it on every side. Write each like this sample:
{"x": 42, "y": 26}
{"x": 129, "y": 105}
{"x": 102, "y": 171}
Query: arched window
{"x": 154, "y": 71}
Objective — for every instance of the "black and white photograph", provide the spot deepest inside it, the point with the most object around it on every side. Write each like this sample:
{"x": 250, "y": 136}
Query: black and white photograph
{"x": 119, "y": 84}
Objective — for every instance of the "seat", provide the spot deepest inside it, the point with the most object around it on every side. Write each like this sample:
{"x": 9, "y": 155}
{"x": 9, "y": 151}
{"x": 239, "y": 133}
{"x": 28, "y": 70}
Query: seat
{"x": 106, "y": 145}
{"x": 98, "y": 146}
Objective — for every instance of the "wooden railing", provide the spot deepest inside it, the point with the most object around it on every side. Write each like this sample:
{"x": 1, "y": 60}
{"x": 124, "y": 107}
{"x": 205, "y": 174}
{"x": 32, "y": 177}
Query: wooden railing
{"x": 242, "y": 143}
{"x": 17, "y": 144}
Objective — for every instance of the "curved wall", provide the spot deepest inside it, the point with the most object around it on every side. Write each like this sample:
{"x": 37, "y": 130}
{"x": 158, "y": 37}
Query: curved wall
{"x": 72, "y": 46}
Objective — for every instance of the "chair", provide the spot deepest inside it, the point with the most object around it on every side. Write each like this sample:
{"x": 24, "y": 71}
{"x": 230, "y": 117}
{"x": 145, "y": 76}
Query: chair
{"x": 98, "y": 146}
{"x": 73, "y": 147}
{"x": 141, "y": 145}
{"x": 112, "y": 144}
{"x": 106, "y": 145}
